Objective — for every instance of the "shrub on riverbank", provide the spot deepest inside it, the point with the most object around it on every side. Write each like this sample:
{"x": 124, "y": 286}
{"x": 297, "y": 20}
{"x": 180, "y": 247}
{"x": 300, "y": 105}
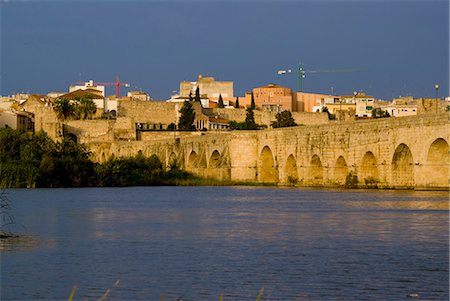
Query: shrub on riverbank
{"x": 37, "y": 161}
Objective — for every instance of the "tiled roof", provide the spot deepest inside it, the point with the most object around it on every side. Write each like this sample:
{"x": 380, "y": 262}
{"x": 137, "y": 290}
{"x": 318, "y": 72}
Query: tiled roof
{"x": 95, "y": 94}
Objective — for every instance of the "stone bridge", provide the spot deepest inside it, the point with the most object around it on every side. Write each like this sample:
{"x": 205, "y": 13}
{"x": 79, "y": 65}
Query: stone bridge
{"x": 407, "y": 152}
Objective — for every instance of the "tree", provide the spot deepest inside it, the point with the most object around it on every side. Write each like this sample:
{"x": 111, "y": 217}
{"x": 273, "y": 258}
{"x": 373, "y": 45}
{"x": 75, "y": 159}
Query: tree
{"x": 379, "y": 113}
{"x": 187, "y": 117}
{"x": 220, "y": 105}
{"x": 64, "y": 108}
{"x": 85, "y": 107}
{"x": 197, "y": 94}
{"x": 190, "y": 97}
{"x": 284, "y": 119}
{"x": 250, "y": 123}
{"x": 236, "y": 105}
{"x": 252, "y": 104}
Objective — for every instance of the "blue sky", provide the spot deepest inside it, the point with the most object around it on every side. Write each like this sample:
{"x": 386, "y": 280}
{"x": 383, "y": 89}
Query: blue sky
{"x": 394, "y": 47}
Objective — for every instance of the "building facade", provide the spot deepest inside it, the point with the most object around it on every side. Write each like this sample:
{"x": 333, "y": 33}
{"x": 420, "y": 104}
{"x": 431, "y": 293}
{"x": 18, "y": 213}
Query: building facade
{"x": 208, "y": 86}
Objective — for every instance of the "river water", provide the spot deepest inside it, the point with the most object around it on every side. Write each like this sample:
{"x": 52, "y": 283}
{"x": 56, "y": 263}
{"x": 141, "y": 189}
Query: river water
{"x": 200, "y": 242}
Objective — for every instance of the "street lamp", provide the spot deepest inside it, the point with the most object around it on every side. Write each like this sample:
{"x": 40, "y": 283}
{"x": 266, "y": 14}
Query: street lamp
{"x": 436, "y": 87}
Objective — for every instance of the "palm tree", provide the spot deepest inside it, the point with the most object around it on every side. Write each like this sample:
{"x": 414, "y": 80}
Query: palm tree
{"x": 64, "y": 108}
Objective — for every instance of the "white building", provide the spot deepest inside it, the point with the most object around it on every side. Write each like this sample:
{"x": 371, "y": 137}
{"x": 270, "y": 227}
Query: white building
{"x": 88, "y": 85}
{"x": 137, "y": 95}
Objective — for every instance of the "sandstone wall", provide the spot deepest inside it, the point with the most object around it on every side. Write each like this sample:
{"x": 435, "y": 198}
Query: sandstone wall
{"x": 407, "y": 152}
{"x": 266, "y": 117}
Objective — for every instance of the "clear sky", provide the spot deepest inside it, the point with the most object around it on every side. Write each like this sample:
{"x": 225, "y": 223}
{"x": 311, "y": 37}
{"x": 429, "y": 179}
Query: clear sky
{"x": 394, "y": 47}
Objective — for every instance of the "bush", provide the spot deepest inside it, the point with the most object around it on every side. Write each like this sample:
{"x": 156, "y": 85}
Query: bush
{"x": 351, "y": 181}
{"x": 371, "y": 182}
{"x": 292, "y": 180}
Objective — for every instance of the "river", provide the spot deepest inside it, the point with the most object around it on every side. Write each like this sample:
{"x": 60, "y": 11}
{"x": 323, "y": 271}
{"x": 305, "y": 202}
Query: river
{"x": 200, "y": 242}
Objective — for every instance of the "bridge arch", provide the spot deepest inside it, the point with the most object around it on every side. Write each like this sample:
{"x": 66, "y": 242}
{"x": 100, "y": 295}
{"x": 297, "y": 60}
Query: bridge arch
{"x": 438, "y": 160}
{"x": 291, "y": 170}
{"x": 214, "y": 160}
{"x": 172, "y": 160}
{"x": 368, "y": 171}
{"x": 316, "y": 170}
{"x": 340, "y": 170}
{"x": 267, "y": 169}
{"x": 402, "y": 167}
{"x": 192, "y": 160}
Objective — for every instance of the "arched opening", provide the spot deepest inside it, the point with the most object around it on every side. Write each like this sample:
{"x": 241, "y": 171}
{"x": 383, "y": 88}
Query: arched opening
{"x": 214, "y": 161}
{"x": 368, "y": 171}
{"x": 438, "y": 160}
{"x": 291, "y": 170}
{"x": 316, "y": 170}
{"x": 402, "y": 167}
{"x": 192, "y": 161}
{"x": 267, "y": 169}
{"x": 340, "y": 170}
{"x": 172, "y": 161}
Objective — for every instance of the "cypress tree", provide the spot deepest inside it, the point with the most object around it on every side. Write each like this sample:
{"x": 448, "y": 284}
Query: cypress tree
{"x": 187, "y": 117}
{"x": 220, "y": 105}
{"x": 190, "y": 96}
{"x": 236, "y": 105}
{"x": 197, "y": 94}
{"x": 252, "y": 105}
{"x": 250, "y": 123}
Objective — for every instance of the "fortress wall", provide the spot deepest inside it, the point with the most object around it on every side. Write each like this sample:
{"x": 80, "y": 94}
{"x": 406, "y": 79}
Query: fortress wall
{"x": 266, "y": 117}
{"x": 90, "y": 130}
{"x": 307, "y": 118}
{"x": 149, "y": 111}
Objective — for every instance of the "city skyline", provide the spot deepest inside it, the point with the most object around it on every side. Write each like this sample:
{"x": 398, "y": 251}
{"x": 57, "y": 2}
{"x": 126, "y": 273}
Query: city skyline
{"x": 392, "y": 48}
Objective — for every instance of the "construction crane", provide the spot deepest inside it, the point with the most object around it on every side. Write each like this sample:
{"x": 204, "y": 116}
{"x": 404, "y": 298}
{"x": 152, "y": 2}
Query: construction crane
{"x": 301, "y": 73}
{"x": 117, "y": 84}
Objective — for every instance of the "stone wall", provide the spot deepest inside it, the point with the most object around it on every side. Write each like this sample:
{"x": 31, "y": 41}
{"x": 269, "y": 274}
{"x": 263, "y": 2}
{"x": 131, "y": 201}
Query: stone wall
{"x": 407, "y": 152}
{"x": 266, "y": 117}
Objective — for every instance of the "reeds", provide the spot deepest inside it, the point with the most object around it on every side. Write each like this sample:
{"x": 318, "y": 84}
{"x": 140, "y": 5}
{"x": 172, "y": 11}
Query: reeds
{"x": 162, "y": 298}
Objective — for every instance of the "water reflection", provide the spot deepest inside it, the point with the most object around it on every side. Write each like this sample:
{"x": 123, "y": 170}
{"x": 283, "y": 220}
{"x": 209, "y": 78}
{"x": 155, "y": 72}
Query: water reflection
{"x": 202, "y": 241}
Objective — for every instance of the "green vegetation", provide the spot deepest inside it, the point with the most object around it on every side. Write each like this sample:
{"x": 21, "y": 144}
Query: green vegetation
{"x": 351, "y": 181}
{"x": 371, "y": 182}
{"x": 252, "y": 104}
{"x": 187, "y": 117}
{"x": 236, "y": 105}
{"x": 197, "y": 94}
{"x": 29, "y": 161}
{"x": 220, "y": 104}
{"x": 248, "y": 124}
{"x": 136, "y": 171}
{"x": 379, "y": 113}
{"x": 6, "y": 217}
{"x": 64, "y": 108}
{"x": 292, "y": 180}
{"x": 78, "y": 108}
{"x": 284, "y": 119}
{"x": 37, "y": 161}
